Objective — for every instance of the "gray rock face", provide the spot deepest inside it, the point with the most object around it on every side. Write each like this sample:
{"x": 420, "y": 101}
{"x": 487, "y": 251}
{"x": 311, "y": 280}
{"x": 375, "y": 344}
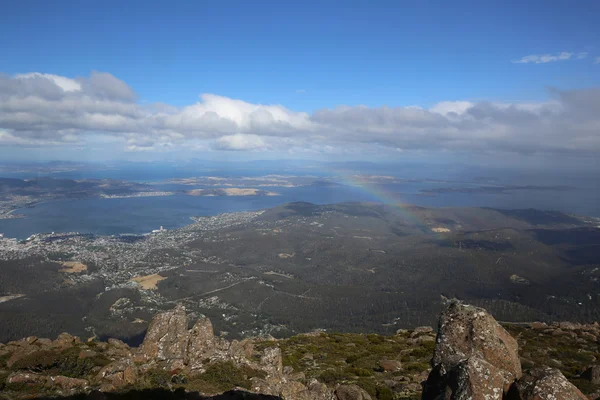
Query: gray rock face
{"x": 201, "y": 342}
{"x": 474, "y": 357}
{"x": 351, "y": 392}
{"x": 544, "y": 384}
{"x": 271, "y": 361}
{"x": 476, "y": 379}
{"x": 466, "y": 331}
{"x": 167, "y": 336}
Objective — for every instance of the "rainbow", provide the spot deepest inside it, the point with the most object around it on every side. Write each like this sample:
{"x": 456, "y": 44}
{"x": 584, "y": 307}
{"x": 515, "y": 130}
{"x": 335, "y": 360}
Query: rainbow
{"x": 375, "y": 190}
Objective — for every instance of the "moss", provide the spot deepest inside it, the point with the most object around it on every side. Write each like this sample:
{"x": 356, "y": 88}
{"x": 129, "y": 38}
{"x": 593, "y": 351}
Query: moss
{"x": 65, "y": 363}
{"x": 158, "y": 377}
{"x": 385, "y": 393}
{"x": 359, "y": 371}
{"x": 369, "y": 386}
{"x": 333, "y": 376}
{"x": 226, "y": 375}
{"x": 414, "y": 367}
{"x": 4, "y": 358}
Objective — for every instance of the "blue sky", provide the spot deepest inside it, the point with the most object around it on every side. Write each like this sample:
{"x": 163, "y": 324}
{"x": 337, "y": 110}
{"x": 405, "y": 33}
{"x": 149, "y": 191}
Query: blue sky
{"x": 346, "y": 52}
{"x": 308, "y": 55}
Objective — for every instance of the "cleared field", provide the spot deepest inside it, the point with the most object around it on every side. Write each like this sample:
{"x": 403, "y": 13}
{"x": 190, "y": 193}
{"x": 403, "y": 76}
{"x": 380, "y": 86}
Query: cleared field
{"x": 73, "y": 267}
{"x": 148, "y": 282}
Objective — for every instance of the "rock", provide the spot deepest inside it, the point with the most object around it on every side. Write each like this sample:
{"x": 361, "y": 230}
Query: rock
{"x": 271, "y": 361}
{"x": 401, "y": 332}
{"x": 466, "y": 331}
{"x": 592, "y": 374}
{"x": 293, "y": 390}
{"x": 243, "y": 348}
{"x": 167, "y": 336}
{"x": 26, "y": 378}
{"x": 476, "y": 379}
{"x": 31, "y": 339}
{"x": 544, "y": 384}
{"x": 43, "y": 343}
{"x": 421, "y": 330}
{"x": 288, "y": 369}
{"x": 87, "y": 354}
{"x": 118, "y": 343}
{"x": 538, "y": 326}
{"x": 319, "y": 391}
{"x": 351, "y": 392}
{"x": 65, "y": 340}
{"x": 20, "y": 353}
{"x": 201, "y": 343}
{"x": 568, "y": 326}
{"x": 117, "y": 374}
{"x": 471, "y": 345}
{"x": 67, "y": 385}
{"x": 390, "y": 365}
{"x": 589, "y": 336}
{"x": 267, "y": 385}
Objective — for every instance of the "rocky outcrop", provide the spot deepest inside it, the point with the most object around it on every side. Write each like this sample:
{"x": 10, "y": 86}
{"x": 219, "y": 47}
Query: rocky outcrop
{"x": 167, "y": 336}
{"x": 476, "y": 359}
{"x": 351, "y": 392}
{"x": 472, "y": 347}
{"x": 544, "y": 384}
{"x": 117, "y": 375}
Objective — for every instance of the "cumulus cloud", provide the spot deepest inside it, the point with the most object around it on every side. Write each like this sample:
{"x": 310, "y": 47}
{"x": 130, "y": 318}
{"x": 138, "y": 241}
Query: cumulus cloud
{"x": 42, "y": 109}
{"x": 546, "y": 58}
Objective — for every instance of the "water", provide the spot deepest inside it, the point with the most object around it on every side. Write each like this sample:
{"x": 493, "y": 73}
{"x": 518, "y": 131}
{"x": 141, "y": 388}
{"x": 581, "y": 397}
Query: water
{"x": 143, "y": 214}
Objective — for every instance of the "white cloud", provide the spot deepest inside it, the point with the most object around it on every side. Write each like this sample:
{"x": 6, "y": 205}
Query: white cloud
{"x": 40, "y": 109}
{"x": 240, "y": 141}
{"x": 300, "y": 91}
{"x": 66, "y": 84}
{"x": 448, "y": 107}
{"x": 546, "y": 58}
{"x": 597, "y": 60}
{"x": 581, "y": 55}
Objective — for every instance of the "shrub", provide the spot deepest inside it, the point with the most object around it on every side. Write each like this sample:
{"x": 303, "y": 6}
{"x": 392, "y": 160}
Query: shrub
{"x": 385, "y": 393}
{"x": 332, "y": 376}
{"x": 65, "y": 363}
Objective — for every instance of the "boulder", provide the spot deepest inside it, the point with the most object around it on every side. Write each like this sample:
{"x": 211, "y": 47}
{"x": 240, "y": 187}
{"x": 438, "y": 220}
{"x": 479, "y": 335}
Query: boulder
{"x": 116, "y": 375}
{"x": 592, "y": 374}
{"x": 319, "y": 391}
{"x": 66, "y": 385}
{"x": 351, "y": 392}
{"x": 271, "y": 361}
{"x": 465, "y": 331}
{"x": 201, "y": 342}
{"x": 390, "y": 365}
{"x": 294, "y": 390}
{"x": 243, "y": 348}
{"x": 544, "y": 384}
{"x": 65, "y": 340}
{"x": 471, "y": 346}
{"x": 167, "y": 336}
{"x": 26, "y": 378}
{"x": 421, "y": 330}
{"x": 538, "y": 326}
{"x": 476, "y": 379}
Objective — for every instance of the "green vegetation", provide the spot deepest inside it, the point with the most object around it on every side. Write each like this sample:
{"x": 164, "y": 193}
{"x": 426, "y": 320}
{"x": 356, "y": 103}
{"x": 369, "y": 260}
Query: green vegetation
{"x": 355, "y": 358}
{"x": 67, "y": 363}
